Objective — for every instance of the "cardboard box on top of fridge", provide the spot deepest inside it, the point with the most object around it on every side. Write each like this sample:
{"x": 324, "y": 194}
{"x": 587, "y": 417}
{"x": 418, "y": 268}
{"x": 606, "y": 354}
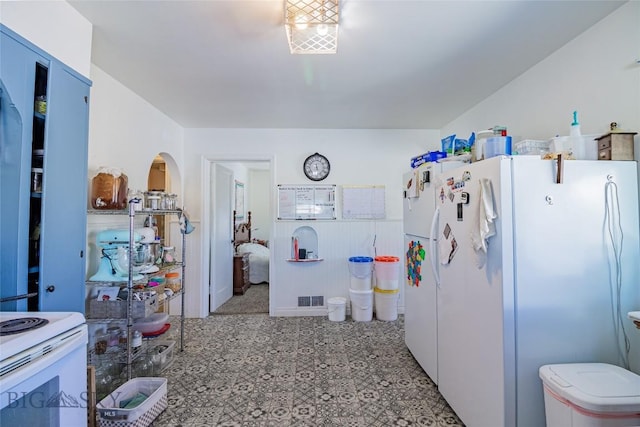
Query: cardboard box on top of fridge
{"x": 430, "y": 156}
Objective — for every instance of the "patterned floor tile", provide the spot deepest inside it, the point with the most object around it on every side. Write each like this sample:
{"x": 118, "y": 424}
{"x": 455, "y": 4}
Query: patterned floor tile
{"x": 258, "y": 371}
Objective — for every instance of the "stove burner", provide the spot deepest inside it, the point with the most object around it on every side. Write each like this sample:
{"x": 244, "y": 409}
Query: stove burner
{"x": 15, "y": 326}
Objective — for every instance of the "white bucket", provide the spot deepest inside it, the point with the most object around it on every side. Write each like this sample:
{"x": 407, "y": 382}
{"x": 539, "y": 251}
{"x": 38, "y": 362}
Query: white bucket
{"x": 361, "y": 305}
{"x": 386, "y": 304}
{"x": 337, "y": 308}
{"x": 387, "y": 284}
{"x": 361, "y": 270}
{"x": 387, "y": 270}
{"x": 361, "y": 284}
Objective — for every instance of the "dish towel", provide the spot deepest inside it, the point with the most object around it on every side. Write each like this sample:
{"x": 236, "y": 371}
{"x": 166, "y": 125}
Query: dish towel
{"x": 483, "y": 226}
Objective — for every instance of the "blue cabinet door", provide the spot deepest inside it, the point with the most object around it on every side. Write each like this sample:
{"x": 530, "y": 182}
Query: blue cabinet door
{"x": 64, "y": 192}
{"x": 17, "y": 77}
{"x": 63, "y": 204}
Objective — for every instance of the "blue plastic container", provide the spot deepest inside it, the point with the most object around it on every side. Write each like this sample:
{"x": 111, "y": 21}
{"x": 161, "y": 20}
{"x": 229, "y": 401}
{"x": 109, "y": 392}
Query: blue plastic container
{"x": 496, "y": 146}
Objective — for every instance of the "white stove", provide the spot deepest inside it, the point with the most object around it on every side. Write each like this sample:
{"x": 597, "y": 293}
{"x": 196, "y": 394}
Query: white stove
{"x": 56, "y": 324}
{"x": 43, "y": 368}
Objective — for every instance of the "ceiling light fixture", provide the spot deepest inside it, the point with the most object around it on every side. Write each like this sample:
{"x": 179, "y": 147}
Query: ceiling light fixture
{"x": 312, "y": 26}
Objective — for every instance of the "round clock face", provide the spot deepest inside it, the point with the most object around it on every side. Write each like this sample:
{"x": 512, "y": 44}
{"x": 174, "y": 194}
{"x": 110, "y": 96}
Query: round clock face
{"x": 316, "y": 167}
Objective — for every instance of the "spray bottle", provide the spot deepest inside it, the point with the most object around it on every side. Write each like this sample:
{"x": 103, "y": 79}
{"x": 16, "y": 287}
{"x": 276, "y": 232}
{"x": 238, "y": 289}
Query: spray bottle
{"x": 575, "y": 126}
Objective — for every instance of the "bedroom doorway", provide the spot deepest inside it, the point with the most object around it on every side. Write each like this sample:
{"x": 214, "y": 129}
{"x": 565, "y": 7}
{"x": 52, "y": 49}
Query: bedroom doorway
{"x": 257, "y": 177}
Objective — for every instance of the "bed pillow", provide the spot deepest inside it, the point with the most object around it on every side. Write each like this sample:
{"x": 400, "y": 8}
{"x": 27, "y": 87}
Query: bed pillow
{"x": 253, "y": 248}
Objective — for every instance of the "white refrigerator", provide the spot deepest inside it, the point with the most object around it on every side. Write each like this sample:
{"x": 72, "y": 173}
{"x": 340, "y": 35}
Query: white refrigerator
{"x": 420, "y": 290}
{"x": 528, "y": 271}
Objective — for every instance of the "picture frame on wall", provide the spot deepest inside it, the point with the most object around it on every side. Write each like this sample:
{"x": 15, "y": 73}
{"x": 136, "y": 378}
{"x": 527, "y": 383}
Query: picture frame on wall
{"x": 239, "y": 203}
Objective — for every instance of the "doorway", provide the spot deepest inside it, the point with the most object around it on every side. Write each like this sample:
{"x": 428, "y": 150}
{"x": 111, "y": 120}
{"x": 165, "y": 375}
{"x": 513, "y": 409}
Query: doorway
{"x": 219, "y": 268}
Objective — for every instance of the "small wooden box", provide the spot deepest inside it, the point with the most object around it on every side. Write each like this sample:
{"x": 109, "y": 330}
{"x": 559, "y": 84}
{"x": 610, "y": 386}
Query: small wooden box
{"x": 616, "y": 146}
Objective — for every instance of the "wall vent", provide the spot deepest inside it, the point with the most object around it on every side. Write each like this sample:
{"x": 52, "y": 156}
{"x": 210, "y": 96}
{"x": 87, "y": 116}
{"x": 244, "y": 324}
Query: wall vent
{"x": 304, "y": 301}
{"x": 317, "y": 300}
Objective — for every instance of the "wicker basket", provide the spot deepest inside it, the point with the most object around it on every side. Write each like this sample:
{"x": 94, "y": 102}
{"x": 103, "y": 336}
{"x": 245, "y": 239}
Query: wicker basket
{"x": 118, "y": 309}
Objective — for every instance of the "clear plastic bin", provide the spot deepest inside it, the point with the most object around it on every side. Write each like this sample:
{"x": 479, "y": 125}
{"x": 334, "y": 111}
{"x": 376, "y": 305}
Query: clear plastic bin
{"x": 531, "y": 147}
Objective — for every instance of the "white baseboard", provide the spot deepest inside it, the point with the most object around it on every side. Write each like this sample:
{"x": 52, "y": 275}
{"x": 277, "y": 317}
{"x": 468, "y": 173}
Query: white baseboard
{"x": 310, "y": 311}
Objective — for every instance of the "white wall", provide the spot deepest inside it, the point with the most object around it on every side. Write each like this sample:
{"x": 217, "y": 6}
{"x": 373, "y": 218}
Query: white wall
{"x": 595, "y": 74}
{"x": 357, "y": 157}
{"x": 126, "y": 131}
{"x": 259, "y": 203}
{"x": 53, "y": 26}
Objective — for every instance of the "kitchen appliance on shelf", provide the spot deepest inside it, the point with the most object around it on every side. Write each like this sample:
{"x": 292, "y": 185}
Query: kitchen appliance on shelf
{"x": 531, "y": 272}
{"x": 420, "y": 291}
{"x": 147, "y": 254}
{"x": 114, "y": 259}
{"x": 43, "y": 363}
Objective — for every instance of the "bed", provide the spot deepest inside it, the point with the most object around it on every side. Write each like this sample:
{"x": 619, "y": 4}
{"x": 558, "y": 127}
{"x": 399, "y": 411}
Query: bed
{"x": 257, "y": 250}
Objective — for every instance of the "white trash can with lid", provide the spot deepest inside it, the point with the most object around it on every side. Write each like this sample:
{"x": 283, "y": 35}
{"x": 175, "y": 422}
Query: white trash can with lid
{"x": 590, "y": 395}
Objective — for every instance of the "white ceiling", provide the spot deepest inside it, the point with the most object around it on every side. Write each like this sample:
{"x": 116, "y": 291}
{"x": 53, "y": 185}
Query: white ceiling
{"x": 400, "y": 64}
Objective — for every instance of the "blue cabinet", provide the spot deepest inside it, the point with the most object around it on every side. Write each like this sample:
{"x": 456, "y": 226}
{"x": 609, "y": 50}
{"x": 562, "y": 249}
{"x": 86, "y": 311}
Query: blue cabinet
{"x": 42, "y": 224}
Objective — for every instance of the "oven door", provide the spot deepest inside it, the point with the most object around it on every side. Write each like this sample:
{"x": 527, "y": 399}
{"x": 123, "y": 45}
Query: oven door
{"x": 48, "y": 387}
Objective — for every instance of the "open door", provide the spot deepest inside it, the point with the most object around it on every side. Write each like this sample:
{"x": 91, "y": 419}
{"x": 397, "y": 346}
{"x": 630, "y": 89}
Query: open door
{"x": 221, "y": 262}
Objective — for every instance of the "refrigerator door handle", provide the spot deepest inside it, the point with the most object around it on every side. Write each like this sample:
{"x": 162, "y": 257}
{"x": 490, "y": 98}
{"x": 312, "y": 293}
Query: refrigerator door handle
{"x": 434, "y": 246}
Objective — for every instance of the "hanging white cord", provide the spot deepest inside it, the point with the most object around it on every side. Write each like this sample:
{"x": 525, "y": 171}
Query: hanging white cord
{"x": 616, "y": 237}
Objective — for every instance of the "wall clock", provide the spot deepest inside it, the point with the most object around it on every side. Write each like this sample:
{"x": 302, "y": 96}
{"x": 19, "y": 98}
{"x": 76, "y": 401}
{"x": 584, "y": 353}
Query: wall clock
{"x": 316, "y": 167}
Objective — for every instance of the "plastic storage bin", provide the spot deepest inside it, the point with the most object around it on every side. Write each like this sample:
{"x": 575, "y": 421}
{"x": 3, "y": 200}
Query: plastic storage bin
{"x": 118, "y": 309}
{"x": 151, "y": 324}
{"x": 111, "y": 415}
{"x": 387, "y": 272}
{"x": 496, "y": 146}
{"x": 590, "y": 395}
{"x": 583, "y": 147}
{"x": 173, "y": 281}
{"x": 161, "y": 354}
{"x": 361, "y": 268}
{"x": 531, "y": 147}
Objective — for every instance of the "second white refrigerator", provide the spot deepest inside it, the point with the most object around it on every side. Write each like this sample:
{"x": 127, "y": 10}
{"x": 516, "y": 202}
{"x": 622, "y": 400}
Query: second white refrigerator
{"x": 531, "y": 272}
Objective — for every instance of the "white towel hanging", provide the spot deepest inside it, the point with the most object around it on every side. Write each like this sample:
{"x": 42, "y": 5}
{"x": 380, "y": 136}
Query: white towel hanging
{"x": 484, "y": 224}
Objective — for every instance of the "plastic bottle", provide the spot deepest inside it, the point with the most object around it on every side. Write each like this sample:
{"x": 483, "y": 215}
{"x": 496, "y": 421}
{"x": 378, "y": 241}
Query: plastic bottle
{"x": 575, "y": 126}
{"x": 136, "y": 339}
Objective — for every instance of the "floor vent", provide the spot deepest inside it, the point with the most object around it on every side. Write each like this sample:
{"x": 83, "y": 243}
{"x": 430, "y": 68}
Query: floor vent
{"x": 317, "y": 300}
{"x": 304, "y": 301}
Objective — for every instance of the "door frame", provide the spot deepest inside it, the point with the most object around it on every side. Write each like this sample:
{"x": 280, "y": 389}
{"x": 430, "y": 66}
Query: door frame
{"x": 206, "y": 200}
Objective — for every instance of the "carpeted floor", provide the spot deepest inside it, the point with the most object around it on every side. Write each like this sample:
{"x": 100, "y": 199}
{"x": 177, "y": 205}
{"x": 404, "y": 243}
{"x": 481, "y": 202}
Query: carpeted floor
{"x": 254, "y": 300}
{"x": 256, "y": 370}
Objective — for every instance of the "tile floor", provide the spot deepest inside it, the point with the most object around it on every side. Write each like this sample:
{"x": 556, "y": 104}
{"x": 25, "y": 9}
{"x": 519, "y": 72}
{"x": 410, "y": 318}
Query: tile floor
{"x": 256, "y": 370}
